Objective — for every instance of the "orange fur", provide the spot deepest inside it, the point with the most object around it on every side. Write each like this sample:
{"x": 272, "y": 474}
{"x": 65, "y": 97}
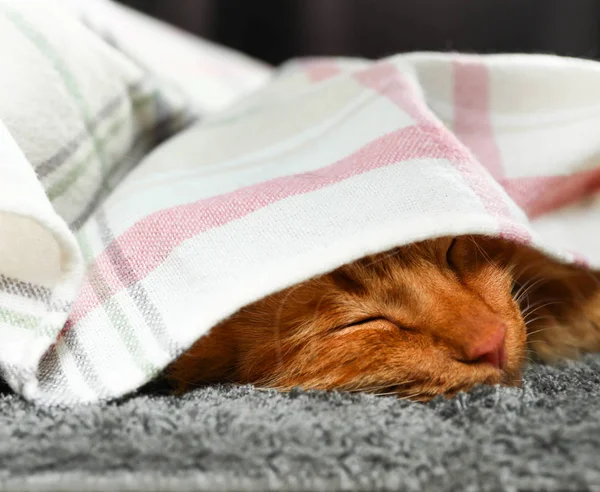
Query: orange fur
{"x": 410, "y": 322}
{"x": 560, "y": 305}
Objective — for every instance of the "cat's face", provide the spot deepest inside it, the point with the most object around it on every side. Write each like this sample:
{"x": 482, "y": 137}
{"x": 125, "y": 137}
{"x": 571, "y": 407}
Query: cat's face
{"x": 432, "y": 318}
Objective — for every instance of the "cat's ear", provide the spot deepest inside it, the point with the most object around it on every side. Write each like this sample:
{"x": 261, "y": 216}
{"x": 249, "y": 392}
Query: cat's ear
{"x": 468, "y": 253}
{"x": 472, "y": 252}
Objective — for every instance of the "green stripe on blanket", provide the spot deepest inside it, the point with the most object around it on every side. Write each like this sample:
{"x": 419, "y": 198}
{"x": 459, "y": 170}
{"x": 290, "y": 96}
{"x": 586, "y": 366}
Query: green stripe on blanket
{"x": 46, "y": 48}
{"x": 83, "y": 164}
{"x": 21, "y": 320}
{"x": 117, "y": 316}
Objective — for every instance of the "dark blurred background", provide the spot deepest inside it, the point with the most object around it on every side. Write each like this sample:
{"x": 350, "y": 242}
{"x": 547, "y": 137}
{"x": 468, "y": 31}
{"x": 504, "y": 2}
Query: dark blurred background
{"x": 276, "y": 30}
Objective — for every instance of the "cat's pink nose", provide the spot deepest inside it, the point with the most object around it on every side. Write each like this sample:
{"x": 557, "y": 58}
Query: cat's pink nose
{"x": 491, "y": 350}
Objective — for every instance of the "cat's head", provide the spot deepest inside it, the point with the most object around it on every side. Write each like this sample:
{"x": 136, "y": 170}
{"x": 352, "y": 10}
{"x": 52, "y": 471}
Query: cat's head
{"x": 431, "y": 318}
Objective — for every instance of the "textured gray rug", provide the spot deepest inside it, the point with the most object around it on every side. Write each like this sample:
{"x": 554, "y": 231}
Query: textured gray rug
{"x": 545, "y": 436}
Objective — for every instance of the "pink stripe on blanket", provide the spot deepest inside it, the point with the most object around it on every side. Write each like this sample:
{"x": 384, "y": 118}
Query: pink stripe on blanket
{"x": 539, "y": 195}
{"x": 389, "y": 82}
{"x": 472, "y": 121}
{"x": 149, "y": 242}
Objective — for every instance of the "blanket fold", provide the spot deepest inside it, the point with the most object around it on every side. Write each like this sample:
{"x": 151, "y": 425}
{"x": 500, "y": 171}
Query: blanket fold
{"x": 329, "y": 161}
{"x": 40, "y": 267}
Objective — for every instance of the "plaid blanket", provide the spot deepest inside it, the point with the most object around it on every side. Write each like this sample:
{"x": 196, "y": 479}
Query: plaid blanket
{"x": 332, "y": 160}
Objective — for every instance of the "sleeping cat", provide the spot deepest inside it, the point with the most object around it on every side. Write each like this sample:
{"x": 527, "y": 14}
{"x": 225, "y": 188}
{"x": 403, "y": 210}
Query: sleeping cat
{"x": 435, "y": 317}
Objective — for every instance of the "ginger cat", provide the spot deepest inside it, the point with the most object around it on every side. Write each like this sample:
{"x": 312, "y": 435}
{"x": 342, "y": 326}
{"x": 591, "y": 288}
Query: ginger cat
{"x": 431, "y": 318}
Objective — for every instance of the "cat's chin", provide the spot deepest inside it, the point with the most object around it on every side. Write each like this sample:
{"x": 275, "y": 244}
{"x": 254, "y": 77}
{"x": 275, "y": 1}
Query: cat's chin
{"x": 511, "y": 377}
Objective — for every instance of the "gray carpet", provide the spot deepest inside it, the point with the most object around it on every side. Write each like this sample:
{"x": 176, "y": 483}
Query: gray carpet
{"x": 545, "y": 436}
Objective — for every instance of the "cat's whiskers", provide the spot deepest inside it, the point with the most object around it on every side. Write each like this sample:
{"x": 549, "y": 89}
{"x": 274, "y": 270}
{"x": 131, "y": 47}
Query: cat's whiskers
{"x": 410, "y": 396}
{"x": 397, "y": 388}
{"x": 387, "y": 393}
{"x": 358, "y": 388}
{"x": 527, "y": 353}
{"x": 536, "y": 307}
{"x": 542, "y": 303}
{"x": 529, "y": 320}
{"x": 553, "y": 318}
{"x": 527, "y": 313}
{"x": 521, "y": 292}
{"x": 521, "y": 272}
{"x": 541, "y": 330}
{"x": 529, "y": 286}
{"x": 529, "y": 359}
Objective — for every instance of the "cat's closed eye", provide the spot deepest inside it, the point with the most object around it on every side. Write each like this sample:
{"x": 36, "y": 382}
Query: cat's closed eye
{"x": 362, "y": 321}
